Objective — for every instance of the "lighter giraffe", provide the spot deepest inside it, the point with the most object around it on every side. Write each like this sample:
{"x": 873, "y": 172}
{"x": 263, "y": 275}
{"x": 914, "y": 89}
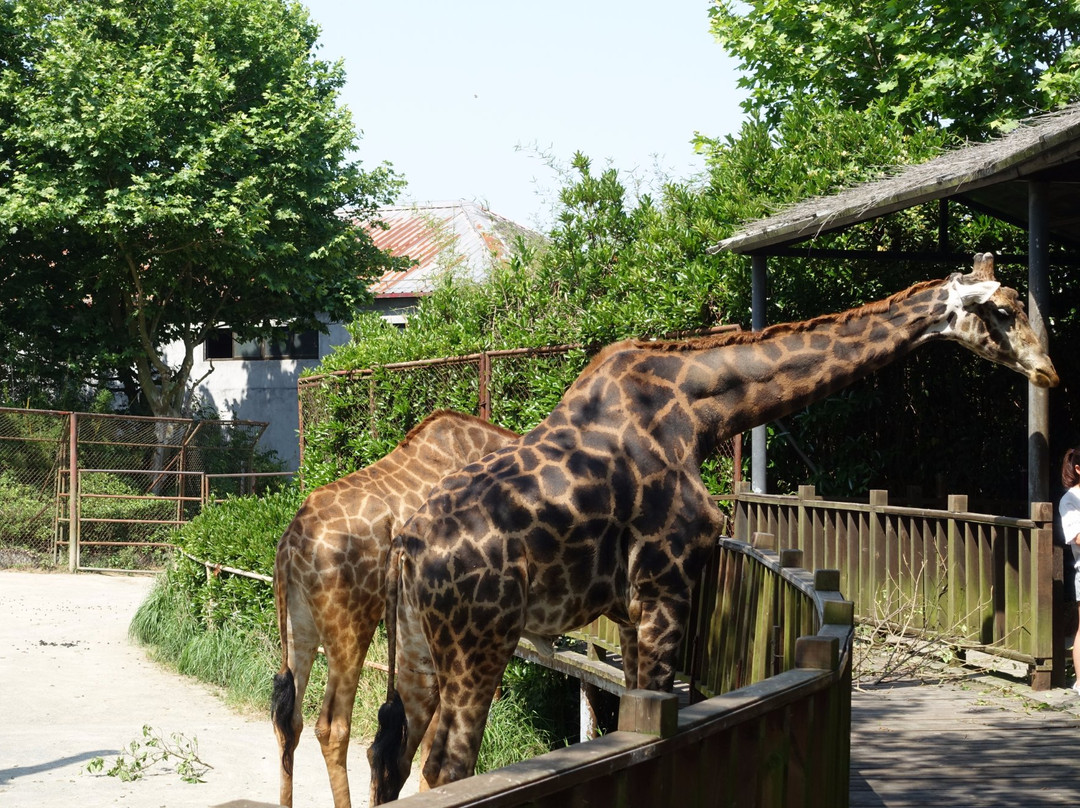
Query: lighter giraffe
{"x": 601, "y": 508}
{"x": 330, "y": 582}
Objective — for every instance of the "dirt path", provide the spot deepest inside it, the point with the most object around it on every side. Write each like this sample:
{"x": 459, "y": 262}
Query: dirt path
{"x": 75, "y": 688}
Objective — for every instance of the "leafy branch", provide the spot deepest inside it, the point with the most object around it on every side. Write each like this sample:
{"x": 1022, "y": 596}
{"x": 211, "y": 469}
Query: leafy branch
{"x": 154, "y": 748}
{"x": 898, "y": 642}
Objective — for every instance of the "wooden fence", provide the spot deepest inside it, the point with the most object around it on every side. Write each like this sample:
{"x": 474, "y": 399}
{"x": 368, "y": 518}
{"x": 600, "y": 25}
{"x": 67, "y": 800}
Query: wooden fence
{"x": 974, "y": 580}
{"x": 781, "y": 739}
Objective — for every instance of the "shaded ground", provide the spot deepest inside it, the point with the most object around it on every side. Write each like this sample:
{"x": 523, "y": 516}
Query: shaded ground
{"x": 75, "y": 688}
{"x": 980, "y": 738}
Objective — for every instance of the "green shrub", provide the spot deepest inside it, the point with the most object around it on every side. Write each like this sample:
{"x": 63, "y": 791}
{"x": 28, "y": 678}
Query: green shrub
{"x": 241, "y": 532}
{"x": 27, "y": 513}
{"x": 241, "y": 661}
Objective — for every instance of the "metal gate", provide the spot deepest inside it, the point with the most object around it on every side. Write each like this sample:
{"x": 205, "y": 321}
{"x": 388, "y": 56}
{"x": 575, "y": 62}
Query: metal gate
{"x": 97, "y": 491}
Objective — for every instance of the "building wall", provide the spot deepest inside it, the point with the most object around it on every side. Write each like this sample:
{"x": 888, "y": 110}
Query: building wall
{"x": 260, "y": 390}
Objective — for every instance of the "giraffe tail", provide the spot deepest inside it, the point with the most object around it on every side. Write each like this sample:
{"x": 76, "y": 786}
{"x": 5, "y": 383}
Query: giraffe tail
{"x": 283, "y": 700}
{"x": 386, "y": 751}
{"x": 390, "y": 739}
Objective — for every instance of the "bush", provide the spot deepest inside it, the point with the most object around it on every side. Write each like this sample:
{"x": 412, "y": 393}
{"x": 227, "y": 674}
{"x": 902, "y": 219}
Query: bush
{"x": 182, "y": 617}
{"x": 241, "y": 532}
{"x": 28, "y": 514}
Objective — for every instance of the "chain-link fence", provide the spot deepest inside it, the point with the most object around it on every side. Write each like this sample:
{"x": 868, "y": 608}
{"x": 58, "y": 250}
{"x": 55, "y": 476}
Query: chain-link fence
{"x": 32, "y": 445}
{"x": 103, "y": 491}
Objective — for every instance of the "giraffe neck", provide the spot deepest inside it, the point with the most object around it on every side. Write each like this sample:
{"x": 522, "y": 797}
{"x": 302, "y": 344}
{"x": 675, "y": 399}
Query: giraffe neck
{"x": 784, "y": 368}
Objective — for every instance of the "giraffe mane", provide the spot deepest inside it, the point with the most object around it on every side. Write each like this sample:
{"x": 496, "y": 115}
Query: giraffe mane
{"x": 779, "y": 329}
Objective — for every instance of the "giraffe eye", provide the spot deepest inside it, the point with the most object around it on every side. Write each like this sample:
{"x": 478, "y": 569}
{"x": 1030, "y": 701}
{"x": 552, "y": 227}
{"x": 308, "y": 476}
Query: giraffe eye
{"x": 1003, "y": 313}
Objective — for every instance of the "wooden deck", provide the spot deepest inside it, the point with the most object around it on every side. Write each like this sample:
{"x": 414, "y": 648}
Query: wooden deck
{"x": 985, "y": 741}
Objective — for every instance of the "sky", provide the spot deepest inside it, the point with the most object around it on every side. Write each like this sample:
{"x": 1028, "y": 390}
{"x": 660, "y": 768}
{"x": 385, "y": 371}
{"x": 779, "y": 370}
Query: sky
{"x": 487, "y": 100}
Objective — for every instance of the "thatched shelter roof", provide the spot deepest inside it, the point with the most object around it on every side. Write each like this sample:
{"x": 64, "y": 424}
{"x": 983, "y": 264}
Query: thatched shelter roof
{"x": 991, "y": 177}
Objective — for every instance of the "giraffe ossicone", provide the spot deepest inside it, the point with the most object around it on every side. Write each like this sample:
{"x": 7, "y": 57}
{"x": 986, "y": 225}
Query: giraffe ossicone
{"x": 330, "y": 578}
{"x": 601, "y": 508}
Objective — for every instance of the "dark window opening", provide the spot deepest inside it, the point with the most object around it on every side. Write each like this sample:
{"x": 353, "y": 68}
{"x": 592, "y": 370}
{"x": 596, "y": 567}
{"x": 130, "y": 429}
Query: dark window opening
{"x": 223, "y": 344}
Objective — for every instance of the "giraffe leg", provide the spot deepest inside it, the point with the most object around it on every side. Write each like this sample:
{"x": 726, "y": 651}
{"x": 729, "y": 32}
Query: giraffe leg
{"x": 628, "y": 647}
{"x": 425, "y": 749}
{"x": 417, "y": 696}
{"x": 335, "y": 720}
{"x": 459, "y": 732}
{"x": 663, "y": 623}
{"x": 420, "y": 692}
{"x": 303, "y": 641}
{"x": 469, "y": 675}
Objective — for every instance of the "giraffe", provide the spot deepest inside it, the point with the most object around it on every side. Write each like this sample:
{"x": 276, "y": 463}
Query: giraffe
{"x": 329, "y": 577}
{"x": 601, "y": 507}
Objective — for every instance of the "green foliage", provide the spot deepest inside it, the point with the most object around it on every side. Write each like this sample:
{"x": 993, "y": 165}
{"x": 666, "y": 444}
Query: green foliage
{"x": 511, "y": 735}
{"x": 242, "y": 660}
{"x": 151, "y": 749}
{"x": 109, "y": 496}
{"x": 241, "y": 532}
{"x": 975, "y": 67}
{"x": 169, "y": 167}
{"x": 27, "y": 513}
{"x": 553, "y": 698}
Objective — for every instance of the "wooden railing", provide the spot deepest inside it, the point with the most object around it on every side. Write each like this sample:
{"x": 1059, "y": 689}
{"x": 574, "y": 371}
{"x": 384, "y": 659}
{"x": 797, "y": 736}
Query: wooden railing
{"x": 974, "y": 580}
{"x": 782, "y": 740}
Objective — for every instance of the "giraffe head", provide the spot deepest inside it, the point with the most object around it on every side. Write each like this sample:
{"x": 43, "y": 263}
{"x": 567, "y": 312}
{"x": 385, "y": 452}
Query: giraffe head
{"x": 990, "y": 320}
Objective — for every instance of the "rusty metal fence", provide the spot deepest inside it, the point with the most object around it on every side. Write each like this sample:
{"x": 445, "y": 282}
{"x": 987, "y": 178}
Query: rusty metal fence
{"x": 98, "y": 491}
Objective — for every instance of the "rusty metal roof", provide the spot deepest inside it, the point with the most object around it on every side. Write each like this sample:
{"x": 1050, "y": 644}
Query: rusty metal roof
{"x": 460, "y": 237}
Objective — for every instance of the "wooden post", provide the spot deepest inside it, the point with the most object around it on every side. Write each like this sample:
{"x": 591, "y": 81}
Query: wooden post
{"x": 649, "y": 713}
{"x": 587, "y": 723}
{"x": 957, "y": 560}
{"x": 818, "y": 653}
{"x": 741, "y": 530}
{"x": 879, "y": 559}
{"x": 791, "y": 557}
{"x": 1048, "y": 671}
{"x": 763, "y": 541}
{"x": 803, "y": 528}
{"x": 827, "y": 580}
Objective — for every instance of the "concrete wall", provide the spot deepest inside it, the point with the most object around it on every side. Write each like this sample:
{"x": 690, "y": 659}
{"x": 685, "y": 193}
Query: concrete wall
{"x": 260, "y": 390}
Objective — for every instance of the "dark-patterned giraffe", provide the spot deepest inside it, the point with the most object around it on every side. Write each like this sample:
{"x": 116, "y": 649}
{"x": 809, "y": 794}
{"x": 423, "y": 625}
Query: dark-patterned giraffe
{"x": 330, "y": 577}
{"x": 601, "y": 509}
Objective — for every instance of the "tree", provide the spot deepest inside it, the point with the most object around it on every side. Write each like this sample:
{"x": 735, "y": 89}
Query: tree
{"x": 976, "y": 66}
{"x": 170, "y": 167}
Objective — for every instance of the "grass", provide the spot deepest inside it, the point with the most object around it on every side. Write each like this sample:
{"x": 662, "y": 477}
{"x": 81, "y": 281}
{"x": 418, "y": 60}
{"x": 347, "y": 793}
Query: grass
{"x": 243, "y": 663}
